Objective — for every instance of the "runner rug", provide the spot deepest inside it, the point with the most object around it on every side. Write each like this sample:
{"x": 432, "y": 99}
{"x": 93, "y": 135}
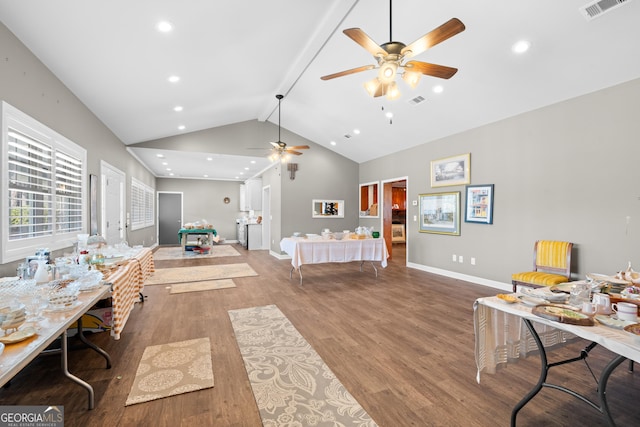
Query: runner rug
{"x": 170, "y": 369}
{"x": 164, "y": 254}
{"x": 164, "y": 276}
{"x": 290, "y": 382}
{"x": 205, "y": 285}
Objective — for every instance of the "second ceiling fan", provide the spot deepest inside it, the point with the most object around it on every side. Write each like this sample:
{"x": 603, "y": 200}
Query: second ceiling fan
{"x": 280, "y": 149}
{"x": 390, "y": 57}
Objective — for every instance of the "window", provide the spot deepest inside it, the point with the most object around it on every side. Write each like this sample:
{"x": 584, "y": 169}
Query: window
{"x": 43, "y": 187}
{"x": 142, "y": 213}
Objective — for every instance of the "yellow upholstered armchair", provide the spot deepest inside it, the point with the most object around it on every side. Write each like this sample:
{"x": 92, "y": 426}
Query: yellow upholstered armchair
{"x": 551, "y": 265}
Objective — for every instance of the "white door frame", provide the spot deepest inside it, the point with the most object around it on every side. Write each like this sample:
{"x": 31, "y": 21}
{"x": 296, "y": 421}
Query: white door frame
{"x": 104, "y": 169}
{"x": 406, "y": 219}
{"x": 266, "y": 217}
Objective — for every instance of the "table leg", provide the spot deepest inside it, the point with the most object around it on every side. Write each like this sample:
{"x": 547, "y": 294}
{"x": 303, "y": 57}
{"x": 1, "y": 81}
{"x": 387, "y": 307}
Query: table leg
{"x": 603, "y": 407}
{"x": 92, "y": 345}
{"x": 65, "y": 369}
{"x": 299, "y": 272}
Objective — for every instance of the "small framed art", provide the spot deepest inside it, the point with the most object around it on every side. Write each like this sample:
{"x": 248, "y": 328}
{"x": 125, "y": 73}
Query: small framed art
{"x": 454, "y": 170}
{"x": 479, "y": 204}
{"x": 440, "y": 213}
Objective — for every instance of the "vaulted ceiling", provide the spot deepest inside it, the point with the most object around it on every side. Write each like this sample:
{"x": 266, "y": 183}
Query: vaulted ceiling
{"x": 233, "y": 57}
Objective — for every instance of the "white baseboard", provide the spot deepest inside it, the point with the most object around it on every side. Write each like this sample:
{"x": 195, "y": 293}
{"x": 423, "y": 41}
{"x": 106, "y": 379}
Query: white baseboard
{"x": 460, "y": 276}
{"x": 278, "y": 255}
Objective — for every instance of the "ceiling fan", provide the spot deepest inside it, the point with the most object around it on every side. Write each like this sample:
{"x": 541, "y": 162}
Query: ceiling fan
{"x": 390, "y": 57}
{"x": 280, "y": 149}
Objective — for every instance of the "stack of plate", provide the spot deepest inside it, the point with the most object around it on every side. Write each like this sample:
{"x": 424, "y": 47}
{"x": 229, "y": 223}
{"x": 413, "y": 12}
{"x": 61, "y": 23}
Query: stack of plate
{"x": 609, "y": 283}
{"x": 12, "y": 316}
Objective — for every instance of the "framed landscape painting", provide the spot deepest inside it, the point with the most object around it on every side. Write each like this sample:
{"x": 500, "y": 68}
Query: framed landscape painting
{"x": 440, "y": 213}
{"x": 479, "y": 204}
{"x": 454, "y": 170}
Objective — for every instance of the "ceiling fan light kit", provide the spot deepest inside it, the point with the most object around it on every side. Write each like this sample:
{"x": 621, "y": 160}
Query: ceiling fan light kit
{"x": 390, "y": 55}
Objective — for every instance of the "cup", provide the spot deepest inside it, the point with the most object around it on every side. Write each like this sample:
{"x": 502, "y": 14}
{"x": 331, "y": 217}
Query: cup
{"x": 375, "y": 234}
{"x": 588, "y": 308}
{"x": 580, "y": 293}
{"x": 602, "y": 302}
{"x": 626, "y": 311}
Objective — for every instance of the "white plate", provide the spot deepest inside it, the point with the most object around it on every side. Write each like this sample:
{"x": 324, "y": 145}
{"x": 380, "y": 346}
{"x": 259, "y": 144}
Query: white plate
{"x": 612, "y": 321}
{"x": 531, "y": 301}
{"x": 90, "y": 288}
{"x": 18, "y": 336}
{"x": 604, "y": 278}
{"x": 63, "y": 308}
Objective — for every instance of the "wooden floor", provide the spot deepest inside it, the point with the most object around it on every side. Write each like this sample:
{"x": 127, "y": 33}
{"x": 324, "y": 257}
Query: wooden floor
{"x": 402, "y": 344}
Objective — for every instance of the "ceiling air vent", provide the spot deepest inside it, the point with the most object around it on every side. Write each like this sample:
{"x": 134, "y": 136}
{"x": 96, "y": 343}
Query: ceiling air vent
{"x": 346, "y": 135}
{"x": 598, "y": 8}
{"x": 417, "y": 100}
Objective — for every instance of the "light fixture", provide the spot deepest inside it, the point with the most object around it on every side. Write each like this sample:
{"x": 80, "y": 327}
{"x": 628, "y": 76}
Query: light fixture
{"x": 387, "y": 73}
{"x": 181, "y": 127}
{"x": 392, "y": 91}
{"x": 178, "y": 108}
{"x": 412, "y": 78}
{"x": 164, "y": 26}
{"x": 373, "y": 86}
{"x": 521, "y": 46}
{"x": 173, "y": 79}
{"x": 437, "y": 89}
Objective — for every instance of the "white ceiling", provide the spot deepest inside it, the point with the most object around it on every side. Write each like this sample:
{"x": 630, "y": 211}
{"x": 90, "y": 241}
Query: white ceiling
{"x": 233, "y": 57}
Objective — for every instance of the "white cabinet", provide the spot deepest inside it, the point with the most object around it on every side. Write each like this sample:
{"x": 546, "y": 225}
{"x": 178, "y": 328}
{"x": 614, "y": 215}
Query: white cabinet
{"x": 251, "y": 195}
{"x": 254, "y": 236}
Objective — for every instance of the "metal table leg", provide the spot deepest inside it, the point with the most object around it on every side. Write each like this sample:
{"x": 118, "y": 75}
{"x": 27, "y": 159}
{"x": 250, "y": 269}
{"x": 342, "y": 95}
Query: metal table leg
{"x": 65, "y": 369}
{"x": 92, "y": 345}
{"x": 299, "y": 272}
{"x": 602, "y": 407}
{"x": 372, "y": 265}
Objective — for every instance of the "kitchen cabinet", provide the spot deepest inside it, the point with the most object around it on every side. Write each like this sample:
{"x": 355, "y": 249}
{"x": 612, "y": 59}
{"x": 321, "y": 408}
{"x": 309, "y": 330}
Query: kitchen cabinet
{"x": 251, "y": 195}
{"x": 254, "y": 236}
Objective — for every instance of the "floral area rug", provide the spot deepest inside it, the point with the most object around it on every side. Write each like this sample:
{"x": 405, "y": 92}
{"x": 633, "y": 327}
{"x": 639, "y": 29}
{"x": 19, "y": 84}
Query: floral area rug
{"x": 205, "y": 285}
{"x": 291, "y": 384}
{"x": 164, "y": 276}
{"x": 163, "y": 254}
{"x": 170, "y": 369}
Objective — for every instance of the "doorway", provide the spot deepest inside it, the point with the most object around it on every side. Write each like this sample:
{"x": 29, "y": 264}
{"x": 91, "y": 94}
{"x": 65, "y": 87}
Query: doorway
{"x": 169, "y": 217}
{"x": 112, "y": 203}
{"x": 394, "y": 215}
{"x": 266, "y": 217}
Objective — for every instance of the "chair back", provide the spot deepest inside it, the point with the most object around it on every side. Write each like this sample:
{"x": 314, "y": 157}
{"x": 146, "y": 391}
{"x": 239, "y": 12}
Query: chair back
{"x": 552, "y": 256}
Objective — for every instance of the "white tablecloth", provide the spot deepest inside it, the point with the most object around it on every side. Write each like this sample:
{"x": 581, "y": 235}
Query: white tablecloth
{"x": 309, "y": 251}
{"x": 502, "y": 336}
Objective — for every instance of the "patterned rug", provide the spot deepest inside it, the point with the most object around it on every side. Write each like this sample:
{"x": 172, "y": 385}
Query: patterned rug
{"x": 163, "y": 254}
{"x": 290, "y": 382}
{"x": 170, "y": 369}
{"x": 205, "y": 285}
{"x": 163, "y": 276}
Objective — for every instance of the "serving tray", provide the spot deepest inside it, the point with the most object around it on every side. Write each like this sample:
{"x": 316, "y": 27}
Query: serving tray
{"x": 562, "y": 315}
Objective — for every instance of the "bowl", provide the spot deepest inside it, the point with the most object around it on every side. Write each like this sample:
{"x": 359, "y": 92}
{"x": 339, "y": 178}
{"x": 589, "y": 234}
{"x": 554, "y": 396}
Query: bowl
{"x": 297, "y": 234}
{"x": 338, "y": 235}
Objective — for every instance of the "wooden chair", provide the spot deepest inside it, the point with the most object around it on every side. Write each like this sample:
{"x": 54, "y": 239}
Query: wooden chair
{"x": 551, "y": 265}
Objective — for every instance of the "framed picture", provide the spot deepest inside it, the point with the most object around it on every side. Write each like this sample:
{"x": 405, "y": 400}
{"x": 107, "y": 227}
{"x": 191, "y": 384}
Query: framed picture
{"x": 440, "y": 213}
{"x": 454, "y": 170}
{"x": 479, "y": 204}
{"x": 327, "y": 209}
{"x": 397, "y": 233}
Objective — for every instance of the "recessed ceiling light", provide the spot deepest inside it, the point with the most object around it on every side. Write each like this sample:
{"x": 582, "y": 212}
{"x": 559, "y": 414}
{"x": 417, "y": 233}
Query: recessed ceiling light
{"x": 209, "y": 158}
{"x": 241, "y": 173}
{"x": 169, "y": 169}
{"x": 332, "y": 143}
{"x": 164, "y": 26}
{"x": 356, "y": 131}
{"x": 178, "y": 108}
{"x": 246, "y": 169}
{"x": 161, "y": 156}
{"x": 237, "y": 177}
{"x": 165, "y": 163}
{"x": 206, "y": 176}
{"x": 521, "y": 47}
{"x": 438, "y": 89}
{"x": 253, "y": 162}
{"x": 174, "y": 79}
{"x": 181, "y": 127}
{"x": 389, "y": 114}
{"x": 171, "y": 174}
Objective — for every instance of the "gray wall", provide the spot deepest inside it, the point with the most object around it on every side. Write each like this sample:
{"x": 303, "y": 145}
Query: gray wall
{"x": 204, "y": 199}
{"x": 322, "y": 174}
{"x": 565, "y": 172}
{"x": 29, "y": 86}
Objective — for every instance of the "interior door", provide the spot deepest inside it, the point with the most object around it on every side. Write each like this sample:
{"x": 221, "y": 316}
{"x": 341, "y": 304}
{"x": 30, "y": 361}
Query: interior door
{"x": 169, "y": 217}
{"x": 112, "y": 203}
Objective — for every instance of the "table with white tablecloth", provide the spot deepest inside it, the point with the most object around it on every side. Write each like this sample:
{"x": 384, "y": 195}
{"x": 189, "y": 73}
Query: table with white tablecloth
{"x": 506, "y": 332}
{"x": 318, "y": 251}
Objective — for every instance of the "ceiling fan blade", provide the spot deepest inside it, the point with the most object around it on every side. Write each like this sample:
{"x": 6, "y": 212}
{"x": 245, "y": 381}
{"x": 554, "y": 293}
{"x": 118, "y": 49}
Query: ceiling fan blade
{"x": 434, "y": 70}
{"x": 360, "y": 37}
{"x": 275, "y": 144}
{"x": 295, "y": 153}
{"x": 347, "y": 72}
{"x": 298, "y": 147}
{"x": 432, "y": 38}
